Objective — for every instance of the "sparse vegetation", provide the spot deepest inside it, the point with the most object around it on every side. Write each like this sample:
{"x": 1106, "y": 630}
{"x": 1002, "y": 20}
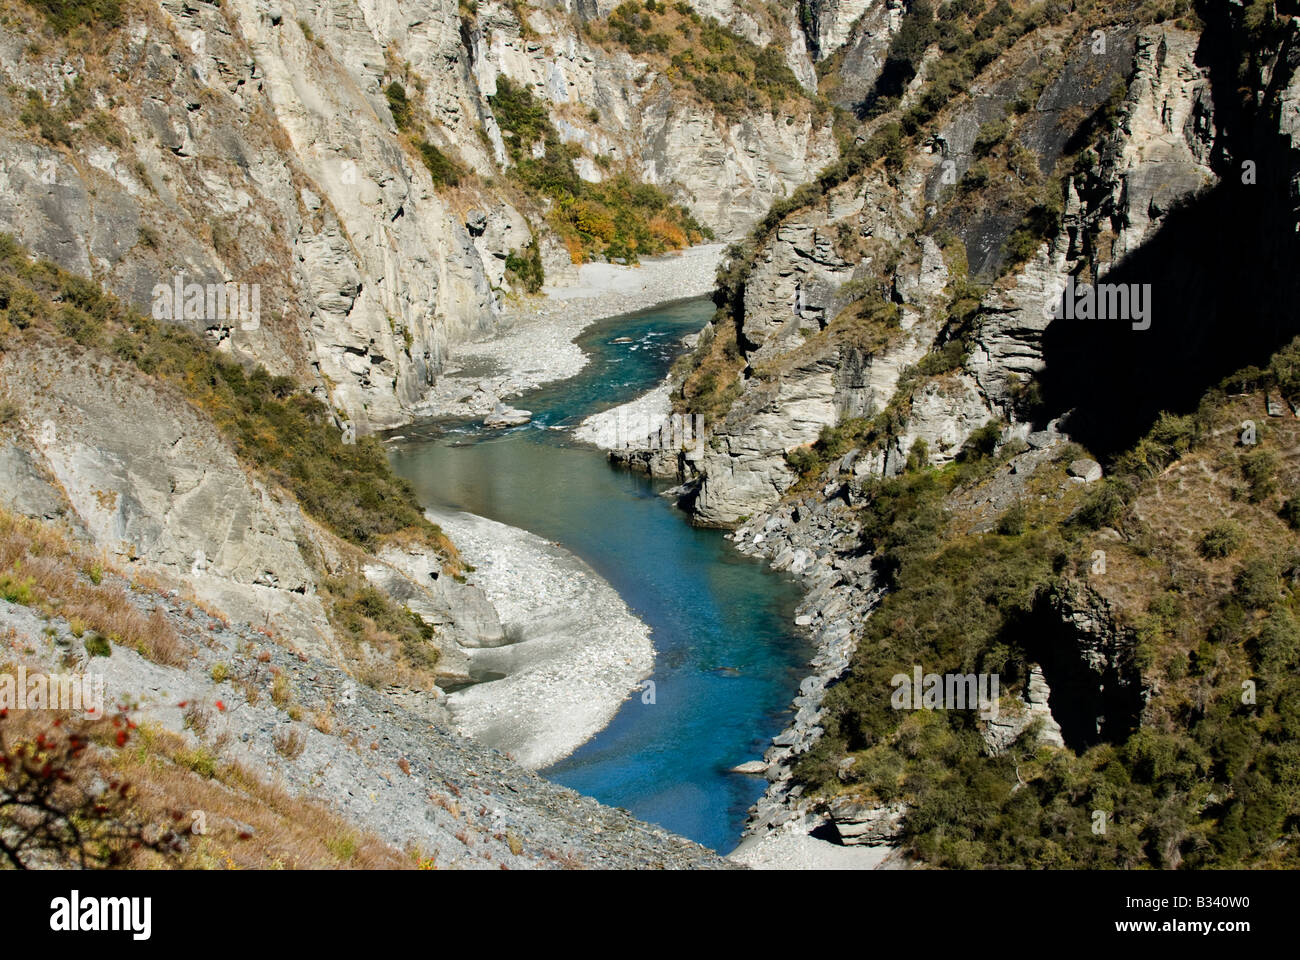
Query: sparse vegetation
{"x": 445, "y": 171}
{"x": 1200, "y": 780}
{"x": 394, "y": 644}
{"x": 617, "y": 218}
{"x": 410, "y": 122}
{"x": 289, "y": 742}
{"x": 275, "y": 427}
{"x": 525, "y": 268}
{"x": 723, "y": 69}
{"x": 65, "y": 16}
{"x": 41, "y": 567}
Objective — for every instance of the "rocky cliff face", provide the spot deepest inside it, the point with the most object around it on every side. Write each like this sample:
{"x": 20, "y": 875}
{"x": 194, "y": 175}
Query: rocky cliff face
{"x": 920, "y": 309}
{"x": 820, "y": 260}
{"x": 253, "y": 143}
{"x": 150, "y": 482}
{"x": 727, "y": 171}
{"x": 1156, "y": 158}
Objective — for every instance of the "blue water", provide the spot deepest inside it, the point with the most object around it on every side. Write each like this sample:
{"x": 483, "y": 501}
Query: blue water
{"x": 727, "y": 660}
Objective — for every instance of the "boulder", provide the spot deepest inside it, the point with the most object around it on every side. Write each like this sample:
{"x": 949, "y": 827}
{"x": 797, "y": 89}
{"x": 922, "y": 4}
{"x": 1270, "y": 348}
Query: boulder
{"x": 859, "y": 822}
{"x": 506, "y": 416}
{"x": 1086, "y": 470}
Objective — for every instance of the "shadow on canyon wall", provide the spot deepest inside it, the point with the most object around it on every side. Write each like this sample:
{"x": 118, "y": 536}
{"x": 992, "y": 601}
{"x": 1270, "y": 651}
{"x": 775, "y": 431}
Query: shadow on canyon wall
{"x": 1223, "y": 278}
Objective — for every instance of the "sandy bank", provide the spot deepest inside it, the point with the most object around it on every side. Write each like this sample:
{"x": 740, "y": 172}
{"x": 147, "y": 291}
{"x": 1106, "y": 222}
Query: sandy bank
{"x": 576, "y": 651}
{"x": 794, "y": 850}
{"x": 535, "y": 342}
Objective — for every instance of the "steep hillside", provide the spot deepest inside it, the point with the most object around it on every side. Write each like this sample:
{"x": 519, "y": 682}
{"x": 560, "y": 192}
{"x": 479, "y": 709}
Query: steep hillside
{"x": 909, "y": 392}
{"x": 1030, "y": 146}
{"x": 354, "y": 165}
{"x": 268, "y": 610}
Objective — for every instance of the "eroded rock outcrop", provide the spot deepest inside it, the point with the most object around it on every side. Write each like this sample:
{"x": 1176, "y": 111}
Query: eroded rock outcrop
{"x": 820, "y": 259}
{"x": 259, "y": 146}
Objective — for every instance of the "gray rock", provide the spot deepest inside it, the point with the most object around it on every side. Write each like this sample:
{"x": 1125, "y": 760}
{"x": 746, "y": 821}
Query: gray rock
{"x": 503, "y": 415}
{"x": 1088, "y": 471}
{"x": 861, "y": 823}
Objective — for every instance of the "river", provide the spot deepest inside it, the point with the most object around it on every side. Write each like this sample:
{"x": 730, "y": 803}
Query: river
{"x": 727, "y": 659}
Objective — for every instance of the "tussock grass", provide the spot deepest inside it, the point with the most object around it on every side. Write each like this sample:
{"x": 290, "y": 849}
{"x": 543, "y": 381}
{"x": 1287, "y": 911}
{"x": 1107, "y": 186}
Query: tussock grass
{"x": 42, "y": 567}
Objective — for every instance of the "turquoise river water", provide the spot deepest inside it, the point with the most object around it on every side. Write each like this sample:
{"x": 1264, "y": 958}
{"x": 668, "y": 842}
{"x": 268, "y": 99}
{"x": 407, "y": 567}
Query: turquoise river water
{"x": 727, "y": 659}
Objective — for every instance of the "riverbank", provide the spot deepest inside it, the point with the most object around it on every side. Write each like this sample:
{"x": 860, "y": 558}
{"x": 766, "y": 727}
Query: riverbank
{"x": 725, "y": 656}
{"x": 814, "y": 540}
{"x": 575, "y": 651}
{"x": 793, "y": 849}
{"x": 534, "y": 345}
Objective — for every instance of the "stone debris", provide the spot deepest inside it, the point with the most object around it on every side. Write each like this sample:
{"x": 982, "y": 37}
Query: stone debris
{"x": 462, "y": 803}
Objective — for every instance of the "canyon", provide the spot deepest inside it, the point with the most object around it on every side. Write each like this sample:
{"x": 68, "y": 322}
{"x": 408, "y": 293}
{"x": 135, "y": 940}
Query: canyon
{"x": 883, "y": 201}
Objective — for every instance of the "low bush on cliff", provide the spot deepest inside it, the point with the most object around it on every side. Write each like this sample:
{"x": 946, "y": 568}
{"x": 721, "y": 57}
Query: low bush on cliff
{"x": 410, "y": 119}
{"x": 391, "y": 644}
{"x": 274, "y": 426}
{"x": 445, "y": 171}
{"x": 708, "y": 378}
{"x": 64, "y": 16}
{"x": 43, "y": 569}
{"x": 525, "y": 268}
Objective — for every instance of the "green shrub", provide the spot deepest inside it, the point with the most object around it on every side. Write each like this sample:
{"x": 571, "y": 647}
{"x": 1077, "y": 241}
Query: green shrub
{"x": 982, "y": 443}
{"x": 1103, "y": 506}
{"x": 802, "y": 460}
{"x": 918, "y": 458}
{"x": 97, "y": 646}
{"x": 445, "y": 171}
{"x": 1259, "y": 468}
{"x": 1012, "y": 522}
{"x": 52, "y": 124}
{"x": 16, "y": 589}
{"x": 1290, "y": 512}
{"x": 64, "y": 16}
{"x": 990, "y": 135}
{"x": 1222, "y": 540}
{"x": 526, "y": 269}
{"x": 199, "y": 759}
{"x": 521, "y": 115}
{"x": 399, "y": 106}
{"x": 1257, "y": 584}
